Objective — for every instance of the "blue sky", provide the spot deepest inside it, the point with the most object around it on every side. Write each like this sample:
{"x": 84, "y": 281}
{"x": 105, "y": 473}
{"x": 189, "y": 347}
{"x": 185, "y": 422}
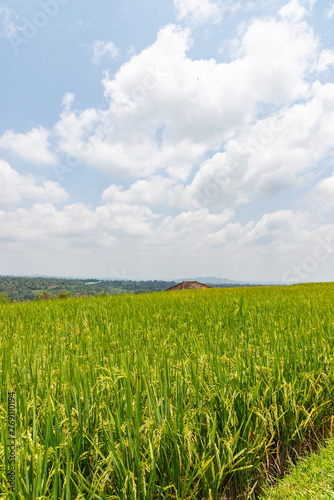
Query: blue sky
{"x": 183, "y": 138}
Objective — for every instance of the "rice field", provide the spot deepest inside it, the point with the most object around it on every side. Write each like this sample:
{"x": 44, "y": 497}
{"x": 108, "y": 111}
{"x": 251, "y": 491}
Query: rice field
{"x": 202, "y": 394}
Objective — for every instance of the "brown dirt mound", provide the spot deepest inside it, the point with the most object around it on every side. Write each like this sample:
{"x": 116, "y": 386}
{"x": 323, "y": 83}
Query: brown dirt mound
{"x": 187, "y": 285}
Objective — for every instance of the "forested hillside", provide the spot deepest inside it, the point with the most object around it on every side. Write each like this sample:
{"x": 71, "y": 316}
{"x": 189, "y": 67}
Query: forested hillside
{"x": 25, "y": 288}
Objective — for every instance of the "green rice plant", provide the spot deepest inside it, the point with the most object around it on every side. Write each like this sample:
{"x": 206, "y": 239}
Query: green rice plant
{"x": 181, "y": 395}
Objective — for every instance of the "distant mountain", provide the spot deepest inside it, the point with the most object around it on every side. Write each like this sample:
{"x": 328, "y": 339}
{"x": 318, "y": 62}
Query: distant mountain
{"x": 212, "y": 280}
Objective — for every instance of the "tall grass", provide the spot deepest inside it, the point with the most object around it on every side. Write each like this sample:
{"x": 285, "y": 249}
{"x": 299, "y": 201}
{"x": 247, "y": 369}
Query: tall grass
{"x": 190, "y": 394}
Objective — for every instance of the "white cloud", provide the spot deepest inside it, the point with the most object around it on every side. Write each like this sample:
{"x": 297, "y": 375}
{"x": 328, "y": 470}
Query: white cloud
{"x": 293, "y": 11}
{"x": 8, "y": 18}
{"x": 149, "y": 192}
{"x": 326, "y": 60}
{"x": 198, "y": 11}
{"x": 74, "y": 129}
{"x": 181, "y": 140}
{"x": 16, "y": 188}
{"x": 322, "y": 195}
{"x": 189, "y": 229}
{"x": 45, "y": 227}
{"x": 195, "y": 104}
{"x": 74, "y": 225}
{"x": 32, "y": 146}
{"x": 330, "y": 11}
{"x": 101, "y": 49}
{"x": 289, "y": 240}
{"x": 68, "y": 101}
{"x": 274, "y": 234}
{"x": 131, "y": 219}
{"x": 277, "y": 154}
{"x": 212, "y": 239}
{"x": 277, "y": 57}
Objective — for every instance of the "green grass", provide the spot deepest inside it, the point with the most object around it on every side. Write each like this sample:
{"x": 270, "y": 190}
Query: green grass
{"x": 185, "y": 395}
{"x": 312, "y": 478}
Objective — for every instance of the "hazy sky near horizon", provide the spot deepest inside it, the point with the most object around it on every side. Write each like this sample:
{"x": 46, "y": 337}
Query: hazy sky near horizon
{"x": 173, "y": 139}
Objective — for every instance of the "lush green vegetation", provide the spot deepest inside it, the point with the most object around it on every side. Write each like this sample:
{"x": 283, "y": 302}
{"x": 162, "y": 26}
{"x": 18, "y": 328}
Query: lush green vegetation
{"x": 312, "y": 479}
{"x": 189, "y": 394}
{"x": 24, "y": 289}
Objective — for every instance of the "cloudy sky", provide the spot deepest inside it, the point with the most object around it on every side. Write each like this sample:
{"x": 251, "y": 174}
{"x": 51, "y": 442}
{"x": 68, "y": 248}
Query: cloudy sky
{"x": 172, "y": 139}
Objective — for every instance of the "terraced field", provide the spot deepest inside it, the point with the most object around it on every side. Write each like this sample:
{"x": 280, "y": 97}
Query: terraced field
{"x": 181, "y": 395}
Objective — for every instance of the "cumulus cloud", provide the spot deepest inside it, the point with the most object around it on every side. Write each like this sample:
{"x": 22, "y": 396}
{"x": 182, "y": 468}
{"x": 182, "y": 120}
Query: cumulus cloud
{"x": 147, "y": 192}
{"x": 74, "y": 225}
{"x": 322, "y": 195}
{"x": 285, "y": 235}
{"x": 278, "y": 153}
{"x": 32, "y": 146}
{"x": 326, "y": 60}
{"x": 102, "y": 48}
{"x": 194, "y": 106}
{"x": 277, "y": 57}
{"x": 296, "y": 244}
{"x": 293, "y": 11}
{"x": 186, "y": 142}
{"x": 77, "y": 225}
{"x": 189, "y": 229}
{"x": 16, "y": 188}
{"x": 284, "y": 150}
{"x": 274, "y": 234}
{"x": 45, "y": 227}
{"x": 131, "y": 219}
